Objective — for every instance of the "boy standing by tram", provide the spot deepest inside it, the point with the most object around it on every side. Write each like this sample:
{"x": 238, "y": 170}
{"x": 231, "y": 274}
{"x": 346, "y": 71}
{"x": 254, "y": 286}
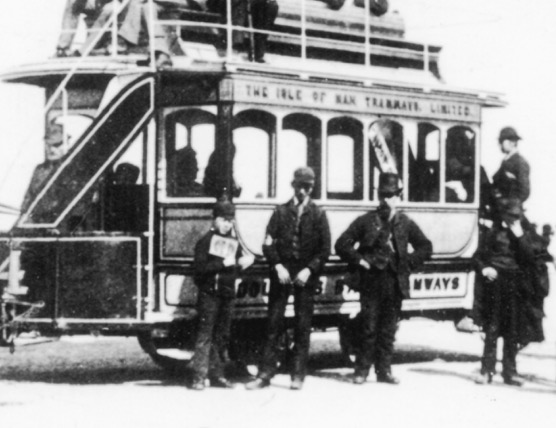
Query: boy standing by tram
{"x": 297, "y": 245}
{"x": 218, "y": 259}
{"x": 384, "y": 263}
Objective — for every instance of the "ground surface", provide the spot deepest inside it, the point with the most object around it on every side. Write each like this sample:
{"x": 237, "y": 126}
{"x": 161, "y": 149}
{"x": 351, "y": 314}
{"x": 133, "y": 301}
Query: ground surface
{"x": 109, "y": 382}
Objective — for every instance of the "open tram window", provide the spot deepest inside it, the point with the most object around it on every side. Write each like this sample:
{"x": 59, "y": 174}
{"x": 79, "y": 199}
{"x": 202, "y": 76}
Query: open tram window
{"x": 299, "y": 145}
{"x": 386, "y": 150}
{"x": 345, "y": 159}
{"x": 189, "y": 143}
{"x": 424, "y": 165}
{"x": 460, "y": 165}
{"x": 253, "y": 137}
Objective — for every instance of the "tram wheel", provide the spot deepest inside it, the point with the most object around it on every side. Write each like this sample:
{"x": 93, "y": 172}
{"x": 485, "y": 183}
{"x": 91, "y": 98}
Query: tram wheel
{"x": 173, "y": 352}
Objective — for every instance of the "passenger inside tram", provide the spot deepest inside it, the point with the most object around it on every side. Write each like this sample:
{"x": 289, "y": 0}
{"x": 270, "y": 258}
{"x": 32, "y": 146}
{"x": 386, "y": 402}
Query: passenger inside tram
{"x": 185, "y": 170}
{"x": 460, "y": 165}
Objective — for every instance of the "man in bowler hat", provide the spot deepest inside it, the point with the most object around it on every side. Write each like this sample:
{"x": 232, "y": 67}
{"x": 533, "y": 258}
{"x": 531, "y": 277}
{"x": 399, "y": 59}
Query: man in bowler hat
{"x": 297, "y": 245}
{"x": 384, "y": 263}
{"x": 512, "y": 178}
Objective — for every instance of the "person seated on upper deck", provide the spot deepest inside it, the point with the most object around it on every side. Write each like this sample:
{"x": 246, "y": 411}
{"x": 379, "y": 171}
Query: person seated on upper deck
{"x": 376, "y": 7}
{"x": 260, "y": 14}
{"x": 92, "y": 10}
{"x": 166, "y": 41}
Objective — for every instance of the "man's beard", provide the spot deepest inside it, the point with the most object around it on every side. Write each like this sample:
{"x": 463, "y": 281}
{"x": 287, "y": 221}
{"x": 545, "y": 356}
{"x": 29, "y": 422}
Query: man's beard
{"x": 384, "y": 211}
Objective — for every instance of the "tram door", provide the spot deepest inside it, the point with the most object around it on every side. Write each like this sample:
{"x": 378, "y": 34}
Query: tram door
{"x": 86, "y": 266}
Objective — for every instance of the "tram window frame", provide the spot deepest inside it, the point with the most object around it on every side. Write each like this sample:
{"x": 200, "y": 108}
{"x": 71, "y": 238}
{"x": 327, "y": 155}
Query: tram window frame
{"x": 423, "y": 167}
{"x": 311, "y": 127}
{"x": 375, "y": 162}
{"x": 163, "y": 157}
{"x": 260, "y": 120}
{"x": 471, "y": 190}
{"x": 353, "y": 129}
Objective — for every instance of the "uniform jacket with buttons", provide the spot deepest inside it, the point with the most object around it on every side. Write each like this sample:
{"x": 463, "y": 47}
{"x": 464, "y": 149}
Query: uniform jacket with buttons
{"x": 311, "y": 250}
{"x": 512, "y": 179}
{"x": 367, "y": 231}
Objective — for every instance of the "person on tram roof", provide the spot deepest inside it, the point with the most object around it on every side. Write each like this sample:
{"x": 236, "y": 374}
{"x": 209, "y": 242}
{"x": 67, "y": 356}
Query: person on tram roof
{"x": 92, "y": 10}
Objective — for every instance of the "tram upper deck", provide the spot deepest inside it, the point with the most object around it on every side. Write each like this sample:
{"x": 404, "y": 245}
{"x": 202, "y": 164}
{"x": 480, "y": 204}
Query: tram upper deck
{"x": 306, "y": 37}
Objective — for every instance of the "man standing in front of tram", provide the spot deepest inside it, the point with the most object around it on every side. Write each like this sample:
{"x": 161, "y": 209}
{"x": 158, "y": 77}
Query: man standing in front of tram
{"x": 297, "y": 245}
{"x": 382, "y": 257}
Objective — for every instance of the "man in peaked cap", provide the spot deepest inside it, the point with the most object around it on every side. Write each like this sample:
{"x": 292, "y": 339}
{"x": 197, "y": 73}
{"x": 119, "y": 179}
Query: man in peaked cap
{"x": 512, "y": 178}
{"x": 56, "y": 146}
{"x": 297, "y": 245}
{"x": 384, "y": 263}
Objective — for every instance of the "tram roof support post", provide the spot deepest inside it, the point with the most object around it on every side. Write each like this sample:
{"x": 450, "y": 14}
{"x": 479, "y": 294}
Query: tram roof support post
{"x": 303, "y": 31}
{"x": 229, "y": 30}
{"x": 367, "y": 34}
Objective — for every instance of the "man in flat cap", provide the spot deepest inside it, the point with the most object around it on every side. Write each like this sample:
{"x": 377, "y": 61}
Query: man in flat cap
{"x": 297, "y": 245}
{"x": 376, "y": 245}
{"x": 512, "y": 178}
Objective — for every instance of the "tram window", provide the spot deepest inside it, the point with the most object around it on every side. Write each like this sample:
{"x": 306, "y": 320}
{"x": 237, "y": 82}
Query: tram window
{"x": 75, "y": 124}
{"x": 386, "y": 151}
{"x": 424, "y": 165}
{"x": 125, "y": 198}
{"x": 345, "y": 159}
{"x": 460, "y": 165}
{"x": 253, "y": 134}
{"x": 189, "y": 143}
{"x": 299, "y": 145}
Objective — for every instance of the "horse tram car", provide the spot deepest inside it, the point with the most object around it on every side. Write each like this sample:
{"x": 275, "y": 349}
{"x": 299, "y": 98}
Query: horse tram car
{"x": 106, "y": 244}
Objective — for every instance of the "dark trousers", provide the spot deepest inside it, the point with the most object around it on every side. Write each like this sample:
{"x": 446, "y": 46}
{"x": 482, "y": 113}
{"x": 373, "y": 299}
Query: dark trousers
{"x": 303, "y": 307}
{"x": 215, "y": 318}
{"x": 380, "y": 309}
{"x": 501, "y": 321}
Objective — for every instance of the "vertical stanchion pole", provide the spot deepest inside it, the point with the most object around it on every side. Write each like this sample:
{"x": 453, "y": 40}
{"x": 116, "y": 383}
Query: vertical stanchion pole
{"x": 367, "y": 33}
{"x": 303, "y": 31}
{"x": 152, "y": 25}
{"x": 229, "y": 30}
{"x": 426, "y": 58}
{"x": 115, "y": 28}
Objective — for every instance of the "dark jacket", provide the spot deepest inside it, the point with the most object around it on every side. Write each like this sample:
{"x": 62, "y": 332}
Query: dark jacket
{"x": 211, "y": 276}
{"x": 366, "y": 231}
{"x": 313, "y": 248}
{"x": 530, "y": 258}
{"x": 512, "y": 178}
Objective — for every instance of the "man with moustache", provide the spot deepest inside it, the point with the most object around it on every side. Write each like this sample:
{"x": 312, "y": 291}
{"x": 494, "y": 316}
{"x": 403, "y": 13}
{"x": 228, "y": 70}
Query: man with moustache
{"x": 382, "y": 238}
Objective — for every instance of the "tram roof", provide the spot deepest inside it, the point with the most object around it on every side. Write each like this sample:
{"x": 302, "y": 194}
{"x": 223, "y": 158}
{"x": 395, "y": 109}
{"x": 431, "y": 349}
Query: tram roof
{"x": 94, "y": 70}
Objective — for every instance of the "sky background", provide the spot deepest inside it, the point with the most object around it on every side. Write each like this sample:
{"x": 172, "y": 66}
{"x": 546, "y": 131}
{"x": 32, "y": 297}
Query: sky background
{"x": 505, "y": 46}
